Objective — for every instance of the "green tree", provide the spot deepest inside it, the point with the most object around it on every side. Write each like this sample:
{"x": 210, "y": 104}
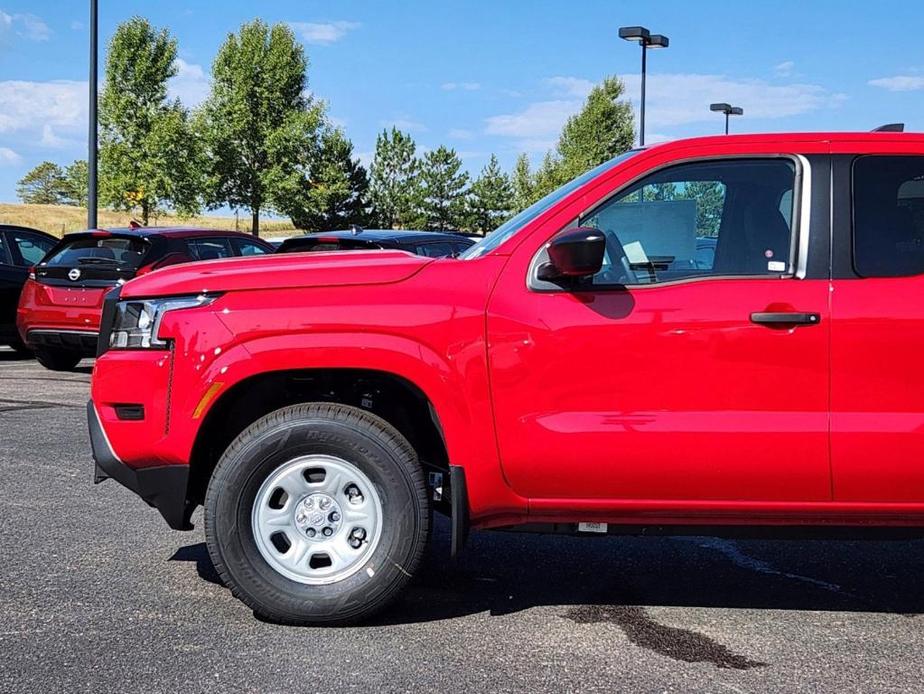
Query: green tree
{"x": 334, "y": 192}
{"x": 148, "y": 156}
{"x": 393, "y": 184}
{"x": 549, "y": 176}
{"x": 490, "y": 200}
{"x": 522, "y": 182}
{"x": 603, "y": 129}
{"x": 259, "y": 124}
{"x": 710, "y": 201}
{"x": 77, "y": 183}
{"x": 442, "y": 189}
{"x": 43, "y": 185}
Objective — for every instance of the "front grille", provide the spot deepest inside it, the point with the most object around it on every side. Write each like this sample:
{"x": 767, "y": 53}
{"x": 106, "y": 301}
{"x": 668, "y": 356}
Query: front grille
{"x": 71, "y": 340}
{"x": 106, "y": 320}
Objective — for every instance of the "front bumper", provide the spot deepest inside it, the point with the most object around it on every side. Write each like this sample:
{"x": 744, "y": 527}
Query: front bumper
{"x": 163, "y": 486}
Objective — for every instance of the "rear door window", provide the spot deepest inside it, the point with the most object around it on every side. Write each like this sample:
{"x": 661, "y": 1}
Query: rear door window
{"x": 30, "y": 247}
{"x": 246, "y": 248}
{"x": 888, "y": 216}
{"x": 5, "y": 258}
{"x": 433, "y": 250}
{"x": 209, "y": 249}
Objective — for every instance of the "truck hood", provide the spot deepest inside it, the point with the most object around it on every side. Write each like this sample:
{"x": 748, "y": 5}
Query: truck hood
{"x": 284, "y": 271}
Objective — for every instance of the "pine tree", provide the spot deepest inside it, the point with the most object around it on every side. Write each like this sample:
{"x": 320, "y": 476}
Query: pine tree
{"x": 490, "y": 200}
{"x": 148, "y": 155}
{"x": 549, "y": 176}
{"x": 260, "y": 127}
{"x": 43, "y": 185}
{"x": 522, "y": 182}
{"x": 334, "y": 193}
{"x": 393, "y": 185}
{"x": 442, "y": 189}
{"x": 603, "y": 129}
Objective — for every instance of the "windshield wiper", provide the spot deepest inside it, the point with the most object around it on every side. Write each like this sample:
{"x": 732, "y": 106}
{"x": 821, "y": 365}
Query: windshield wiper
{"x": 93, "y": 260}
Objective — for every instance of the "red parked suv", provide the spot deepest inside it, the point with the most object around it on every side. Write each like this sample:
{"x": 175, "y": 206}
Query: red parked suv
{"x": 61, "y": 302}
{"x": 713, "y": 332}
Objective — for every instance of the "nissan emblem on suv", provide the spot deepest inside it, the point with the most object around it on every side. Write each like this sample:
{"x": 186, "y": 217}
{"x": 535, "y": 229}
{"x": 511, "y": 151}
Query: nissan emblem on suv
{"x": 74, "y": 275}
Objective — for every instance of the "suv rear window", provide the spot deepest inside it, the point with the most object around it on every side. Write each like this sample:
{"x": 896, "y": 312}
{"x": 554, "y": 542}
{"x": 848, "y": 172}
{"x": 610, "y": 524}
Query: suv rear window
{"x": 124, "y": 253}
{"x": 888, "y": 216}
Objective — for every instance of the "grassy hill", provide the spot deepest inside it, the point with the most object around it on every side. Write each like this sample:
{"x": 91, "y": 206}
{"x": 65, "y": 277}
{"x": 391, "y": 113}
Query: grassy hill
{"x": 60, "y": 219}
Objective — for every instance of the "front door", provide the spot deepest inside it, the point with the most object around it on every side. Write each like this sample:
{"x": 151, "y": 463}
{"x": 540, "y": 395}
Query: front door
{"x": 694, "y": 366}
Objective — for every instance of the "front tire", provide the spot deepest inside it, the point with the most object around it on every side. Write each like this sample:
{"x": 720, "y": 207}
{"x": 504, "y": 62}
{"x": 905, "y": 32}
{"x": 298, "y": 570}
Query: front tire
{"x": 317, "y": 514}
{"x": 58, "y": 359}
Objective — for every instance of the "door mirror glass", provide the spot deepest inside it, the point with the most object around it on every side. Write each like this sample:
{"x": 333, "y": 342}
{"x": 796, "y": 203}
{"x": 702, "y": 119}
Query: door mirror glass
{"x": 573, "y": 254}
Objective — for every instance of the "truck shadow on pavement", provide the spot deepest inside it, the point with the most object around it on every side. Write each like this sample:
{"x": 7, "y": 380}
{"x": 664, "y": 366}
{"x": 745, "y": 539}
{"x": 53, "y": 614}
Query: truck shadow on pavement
{"x": 615, "y": 580}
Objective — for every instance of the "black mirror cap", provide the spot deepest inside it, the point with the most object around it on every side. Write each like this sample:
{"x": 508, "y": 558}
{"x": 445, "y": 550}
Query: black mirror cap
{"x": 574, "y": 253}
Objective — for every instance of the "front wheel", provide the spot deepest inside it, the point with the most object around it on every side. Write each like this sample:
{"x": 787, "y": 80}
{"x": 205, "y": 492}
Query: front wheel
{"x": 317, "y": 514}
{"x": 58, "y": 359}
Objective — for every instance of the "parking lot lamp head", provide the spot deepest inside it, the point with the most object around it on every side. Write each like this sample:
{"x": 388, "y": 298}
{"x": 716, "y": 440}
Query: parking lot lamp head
{"x": 646, "y": 40}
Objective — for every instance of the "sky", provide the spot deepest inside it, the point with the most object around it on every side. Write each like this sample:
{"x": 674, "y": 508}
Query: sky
{"x": 491, "y": 77}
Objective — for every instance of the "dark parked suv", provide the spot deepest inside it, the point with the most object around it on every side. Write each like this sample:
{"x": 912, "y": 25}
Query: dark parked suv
{"x": 61, "y": 302}
{"x": 20, "y": 248}
{"x": 433, "y": 244}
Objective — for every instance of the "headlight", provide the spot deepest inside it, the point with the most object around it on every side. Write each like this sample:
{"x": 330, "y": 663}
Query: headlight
{"x": 137, "y": 322}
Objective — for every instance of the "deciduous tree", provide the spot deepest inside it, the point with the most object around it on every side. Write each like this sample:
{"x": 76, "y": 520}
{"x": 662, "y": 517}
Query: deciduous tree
{"x": 259, "y": 124}
{"x": 148, "y": 156}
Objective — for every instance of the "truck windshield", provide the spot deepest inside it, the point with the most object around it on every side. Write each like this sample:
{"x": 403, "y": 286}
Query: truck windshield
{"x": 517, "y": 222}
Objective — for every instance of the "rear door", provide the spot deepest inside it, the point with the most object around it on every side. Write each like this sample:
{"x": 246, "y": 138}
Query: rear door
{"x": 877, "y": 355}
{"x": 19, "y": 250}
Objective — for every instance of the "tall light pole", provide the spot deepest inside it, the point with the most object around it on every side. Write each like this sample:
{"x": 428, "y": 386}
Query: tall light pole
{"x": 646, "y": 40}
{"x": 728, "y": 110}
{"x": 92, "y": 134}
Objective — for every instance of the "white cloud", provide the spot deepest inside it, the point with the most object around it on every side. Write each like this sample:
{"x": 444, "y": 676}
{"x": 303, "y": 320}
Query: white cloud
{"x": 784, "y": 69}
{"x": 26, "y": 25}
{"x": 679, "y": 99}
{"x": 673, "y": 99}
{"x": 50, "y": 139}
{"x": 460, "y": 134}
{"x": 539, "y": 119}
{"x": 323, "y": 33}
{"x": 464, "y": 86}
{"x": 899, "y": 83}
{"x": 29, "y": 106}
{"x": 570, "y": 86}
{"x": 190, "y": 84}
{"x": 8, "y": 157}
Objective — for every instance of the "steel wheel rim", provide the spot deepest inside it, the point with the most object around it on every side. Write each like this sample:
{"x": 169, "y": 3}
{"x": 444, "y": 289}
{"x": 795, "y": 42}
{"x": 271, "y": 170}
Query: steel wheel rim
{"x": 329, "y": 514}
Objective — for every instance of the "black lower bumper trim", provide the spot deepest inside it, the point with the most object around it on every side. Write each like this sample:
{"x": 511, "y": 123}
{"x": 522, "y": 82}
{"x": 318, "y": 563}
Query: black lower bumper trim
{"x": 163, "y": 487}
{"x": 69, "y": 340}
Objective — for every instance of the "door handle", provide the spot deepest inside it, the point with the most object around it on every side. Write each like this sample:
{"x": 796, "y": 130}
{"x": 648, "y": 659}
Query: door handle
{"x": 785, "y": 318}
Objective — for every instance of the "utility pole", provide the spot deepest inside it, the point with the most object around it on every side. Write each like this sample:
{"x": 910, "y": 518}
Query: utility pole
{"x": 92, "y": 139}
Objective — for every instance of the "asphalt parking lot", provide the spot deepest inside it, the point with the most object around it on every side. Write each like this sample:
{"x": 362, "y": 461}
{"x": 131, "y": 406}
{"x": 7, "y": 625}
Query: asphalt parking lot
{"x": 97, "y": 594}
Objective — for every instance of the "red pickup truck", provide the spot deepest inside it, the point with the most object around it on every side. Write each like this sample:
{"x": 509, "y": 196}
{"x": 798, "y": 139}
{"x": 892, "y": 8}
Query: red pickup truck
{"x": 707, "y": 333}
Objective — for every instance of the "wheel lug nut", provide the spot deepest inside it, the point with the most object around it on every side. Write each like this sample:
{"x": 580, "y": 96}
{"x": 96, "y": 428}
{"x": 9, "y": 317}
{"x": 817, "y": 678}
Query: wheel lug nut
{"x": 312, "y": 532}
{"x": 327, "y": 532}
{"x": 300, "y": 518}
{"x": 309, "y": 503}
{"x": 334, "y": 517}
{"x": 358, "y": 534}
{"x": 354, "y": 543}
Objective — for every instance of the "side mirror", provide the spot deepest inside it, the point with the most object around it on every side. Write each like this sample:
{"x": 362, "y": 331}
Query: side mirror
{"x": 574, "y": 253}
